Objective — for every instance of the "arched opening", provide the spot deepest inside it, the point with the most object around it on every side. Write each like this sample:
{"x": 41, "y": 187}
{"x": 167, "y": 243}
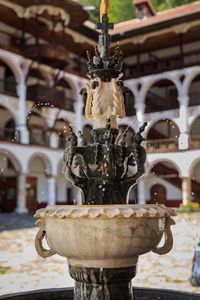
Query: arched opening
{"x": 164, "y": 185}
{"x": 8, "y": 184}
{"x": 39, "y": 91}
{"x": 63, "y": 96}
{"x": 64, "y": 189}
{"x": 36, "y": 185}
{"x": 195, "y": 183}
{"x": 130, "y": 134}
{"x": 87, "y": 134}
{"x": 7, "y": 126}
{"x": 158, "y": 194}
{"x": 194, "y": 93}
{"x": 163, "y": 136}
{"x": 7, "y": 80}
{"x": 37, "y": 128}
{"x": 130, "y": 105}
{"x": 61, "y": 130}
{"x": 161, "y": 96}
{"x": 37, "y": 87}
{"x": 195, "y": 134}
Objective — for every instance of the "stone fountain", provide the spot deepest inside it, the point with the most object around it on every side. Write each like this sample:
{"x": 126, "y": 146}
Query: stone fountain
{"x": 103, "y": 238}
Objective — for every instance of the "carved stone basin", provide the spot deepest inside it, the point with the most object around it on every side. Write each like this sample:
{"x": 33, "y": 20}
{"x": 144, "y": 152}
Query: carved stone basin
{"x": 104, "y": 236}
{"x": 102, "y": 243}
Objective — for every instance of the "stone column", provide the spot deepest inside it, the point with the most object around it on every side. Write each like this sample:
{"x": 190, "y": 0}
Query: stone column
{"x": 21, "y": 194}
{"x": 51, "y": 190}
{"x": 53, "y": 140}
{"x": 183, "y": 115}
{"x": 186, "y": 190}
{"x": 21, "y": 119}
{"x": 105, "y": 284}
{"x": 78, "y": 108}
{"x": 141, "y": 191}
{"x": 140, "y": 109}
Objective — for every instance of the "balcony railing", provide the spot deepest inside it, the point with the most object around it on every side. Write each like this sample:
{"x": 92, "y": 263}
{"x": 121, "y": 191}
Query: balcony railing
{"x": 8, "y": 87}
{"x": 44, "y": 94}
{"x": 40, "y": 138}
{"x": 10, "y": 135}
{"x": 162, "y": 145}
{"x": 160, "y": 65}
{"x": 195, "y": 142}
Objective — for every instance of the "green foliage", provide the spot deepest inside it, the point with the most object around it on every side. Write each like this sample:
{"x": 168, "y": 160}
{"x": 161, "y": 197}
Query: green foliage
{"x": 163, "y": 5}
{"x": 190, "y": 207}
{"x": 122, "y": 10}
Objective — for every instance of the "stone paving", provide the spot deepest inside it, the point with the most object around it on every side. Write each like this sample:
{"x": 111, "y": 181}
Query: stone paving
{"x": 21, "y": 269}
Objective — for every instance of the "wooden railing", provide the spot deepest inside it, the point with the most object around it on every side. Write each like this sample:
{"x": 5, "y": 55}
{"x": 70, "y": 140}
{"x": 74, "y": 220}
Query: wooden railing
{"x": 162, "y": 64}
{"x": 10, "y": 135}
{"x": 41, "y": 139}
{"x": 162, "y": 145}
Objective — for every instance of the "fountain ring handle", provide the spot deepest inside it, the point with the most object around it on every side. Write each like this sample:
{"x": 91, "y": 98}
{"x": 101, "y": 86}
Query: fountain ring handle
{"x": 168, "y": 244}
{"x": 39, "y": 247}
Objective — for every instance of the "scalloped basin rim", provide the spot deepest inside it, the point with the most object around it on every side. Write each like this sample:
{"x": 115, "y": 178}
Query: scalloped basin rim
{"x": 110, "y": 211}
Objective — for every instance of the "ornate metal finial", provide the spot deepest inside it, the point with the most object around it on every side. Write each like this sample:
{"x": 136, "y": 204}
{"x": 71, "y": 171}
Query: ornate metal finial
{"x": 104, "y": 25}
{"x": 104, "y": 8}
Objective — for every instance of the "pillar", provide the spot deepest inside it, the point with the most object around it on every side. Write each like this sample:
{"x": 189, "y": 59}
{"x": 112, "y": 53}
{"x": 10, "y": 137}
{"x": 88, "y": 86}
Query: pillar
{"x": 22, "y": 118}
{"x": 141, "y": 192}
{"x": 186, "y": 190}
{"x": 21, "y": 194}
{"x": 51, "y": 191}
{"x": 183, "y": 116}
{"x": 140, "y": 109}
{"x": 53, "y": 139}
{"x": 78, "y": 108}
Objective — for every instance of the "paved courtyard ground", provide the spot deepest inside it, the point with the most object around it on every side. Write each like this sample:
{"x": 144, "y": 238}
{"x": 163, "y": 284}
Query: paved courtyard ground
{"x": 21, "y": 269}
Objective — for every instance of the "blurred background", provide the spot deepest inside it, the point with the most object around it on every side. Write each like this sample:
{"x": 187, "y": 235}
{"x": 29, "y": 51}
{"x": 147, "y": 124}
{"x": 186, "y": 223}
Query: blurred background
{"x": 43, "y": 68}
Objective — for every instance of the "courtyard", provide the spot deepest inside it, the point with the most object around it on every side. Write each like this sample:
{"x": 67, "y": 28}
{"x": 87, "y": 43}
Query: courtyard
{"x": 21, "y": 269}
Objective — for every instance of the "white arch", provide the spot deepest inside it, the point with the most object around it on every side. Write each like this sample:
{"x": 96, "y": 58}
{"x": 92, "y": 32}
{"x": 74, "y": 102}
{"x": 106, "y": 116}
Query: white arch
{"x": 160, "y": 160}
{"x": 148, "y": 82}
{"x": 189, "y": 79}
{"x": 46, "y": 160}
{"x": 13, "y": 159}
{"x": 13, "y": 63}
{"x": 8, "y": 106}
{"x": 193, "y": 164}
{"x": 152, "y": 123}
{"x": 193, "y": 121}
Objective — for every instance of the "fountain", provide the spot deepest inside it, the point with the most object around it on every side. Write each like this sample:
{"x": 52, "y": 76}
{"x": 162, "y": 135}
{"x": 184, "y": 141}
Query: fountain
{"x": 103, "y": 238}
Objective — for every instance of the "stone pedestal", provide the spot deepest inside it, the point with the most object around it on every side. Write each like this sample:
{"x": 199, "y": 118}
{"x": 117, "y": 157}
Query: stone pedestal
{"x": 102, "y": 284}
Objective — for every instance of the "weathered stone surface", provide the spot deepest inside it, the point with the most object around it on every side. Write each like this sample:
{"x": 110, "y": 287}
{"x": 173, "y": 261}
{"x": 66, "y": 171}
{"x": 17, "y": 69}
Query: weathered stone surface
{"x": 102, "y": 284}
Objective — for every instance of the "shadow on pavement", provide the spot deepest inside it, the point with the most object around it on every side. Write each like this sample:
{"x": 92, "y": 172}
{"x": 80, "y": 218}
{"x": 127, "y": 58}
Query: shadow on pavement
{"x": 14, "y": 221}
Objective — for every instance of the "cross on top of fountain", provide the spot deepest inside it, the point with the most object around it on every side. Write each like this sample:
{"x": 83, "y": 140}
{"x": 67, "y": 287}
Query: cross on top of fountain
{"x": 103, "y": 65}
{"x": 106, "y": 169}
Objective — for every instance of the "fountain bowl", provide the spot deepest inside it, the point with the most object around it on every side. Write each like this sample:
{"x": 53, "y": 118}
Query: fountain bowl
{"x": 103, "y": 236}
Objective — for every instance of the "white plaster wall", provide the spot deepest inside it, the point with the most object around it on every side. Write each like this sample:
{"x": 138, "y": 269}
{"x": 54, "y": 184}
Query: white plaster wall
{"x": 173, "y": 193}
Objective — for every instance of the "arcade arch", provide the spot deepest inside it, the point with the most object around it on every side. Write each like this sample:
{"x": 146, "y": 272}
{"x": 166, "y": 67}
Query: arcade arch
{"x": 9, "y": 170}
{"x": 163, "y": 136}
{"x": 162, "y": 95}
{"x": 164, "y": 186}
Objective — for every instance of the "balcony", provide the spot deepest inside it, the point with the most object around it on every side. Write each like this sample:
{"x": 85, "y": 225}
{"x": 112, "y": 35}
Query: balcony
{"x": 10, "y": 135}
{"x": 44, "y": 94}
{"x": 48, "y": 54}
{"x": 159, "y": 65}
{"x": 162, "y": 145}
